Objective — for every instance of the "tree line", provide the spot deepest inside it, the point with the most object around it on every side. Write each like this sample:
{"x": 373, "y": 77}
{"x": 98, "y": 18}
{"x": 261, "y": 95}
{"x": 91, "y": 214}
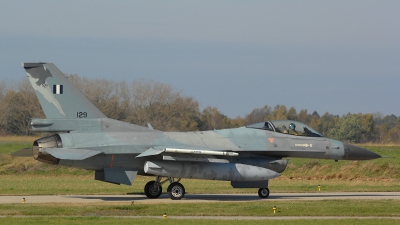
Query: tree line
{"x": 141, "y": 102}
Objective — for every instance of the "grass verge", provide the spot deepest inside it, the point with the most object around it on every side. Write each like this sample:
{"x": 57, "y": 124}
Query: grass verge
{"x": 25, "y": 176}
{"x": 79, "y": 184}
{"x": 363, "y": 208}
{"x": 168, "y": 221}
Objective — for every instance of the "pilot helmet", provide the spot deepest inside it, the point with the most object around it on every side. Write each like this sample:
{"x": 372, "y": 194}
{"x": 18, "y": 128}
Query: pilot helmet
{"x": 292, "y": 126}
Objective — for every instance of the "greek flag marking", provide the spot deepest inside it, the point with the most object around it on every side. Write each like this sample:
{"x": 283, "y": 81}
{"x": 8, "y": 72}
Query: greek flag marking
{"x": 57, "y": 89}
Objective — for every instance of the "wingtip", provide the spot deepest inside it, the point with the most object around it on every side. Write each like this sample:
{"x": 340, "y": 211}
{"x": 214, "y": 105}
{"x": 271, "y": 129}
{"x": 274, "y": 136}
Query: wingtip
{"x": 28, "y": 65}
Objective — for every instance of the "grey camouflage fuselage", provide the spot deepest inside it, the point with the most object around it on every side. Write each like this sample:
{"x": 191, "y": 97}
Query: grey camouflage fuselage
{"x": 117, "y": 151}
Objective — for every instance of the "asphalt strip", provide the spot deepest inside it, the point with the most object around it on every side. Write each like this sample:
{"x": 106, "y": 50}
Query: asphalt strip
{"x": 199, "y": 198}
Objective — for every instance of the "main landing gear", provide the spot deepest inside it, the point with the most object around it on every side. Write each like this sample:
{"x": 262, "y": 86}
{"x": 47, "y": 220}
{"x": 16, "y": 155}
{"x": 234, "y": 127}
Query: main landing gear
{"x": 175, "y": 190}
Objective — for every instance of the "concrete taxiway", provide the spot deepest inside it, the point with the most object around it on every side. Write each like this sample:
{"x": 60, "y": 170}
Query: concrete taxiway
{"x": 198, "y": 197}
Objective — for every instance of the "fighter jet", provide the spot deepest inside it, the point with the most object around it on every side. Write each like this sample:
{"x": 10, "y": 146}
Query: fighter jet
{"x": 83, "y": 137}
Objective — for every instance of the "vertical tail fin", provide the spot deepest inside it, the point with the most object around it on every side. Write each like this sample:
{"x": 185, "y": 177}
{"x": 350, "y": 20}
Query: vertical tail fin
{"x": 58, "y": 96}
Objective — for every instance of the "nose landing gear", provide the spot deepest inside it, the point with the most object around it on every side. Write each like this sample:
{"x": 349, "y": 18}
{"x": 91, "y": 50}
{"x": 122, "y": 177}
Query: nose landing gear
{"x": 263, "y": 192}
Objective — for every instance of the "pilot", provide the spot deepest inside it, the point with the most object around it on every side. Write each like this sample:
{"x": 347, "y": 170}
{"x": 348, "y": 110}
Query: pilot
{"x": 283, "y": 129}
{"x": 292, "y": 129}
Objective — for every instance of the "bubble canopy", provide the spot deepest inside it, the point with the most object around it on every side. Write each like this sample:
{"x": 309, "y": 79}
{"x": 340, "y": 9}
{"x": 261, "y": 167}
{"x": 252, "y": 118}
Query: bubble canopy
{"x": 289, "y": 127}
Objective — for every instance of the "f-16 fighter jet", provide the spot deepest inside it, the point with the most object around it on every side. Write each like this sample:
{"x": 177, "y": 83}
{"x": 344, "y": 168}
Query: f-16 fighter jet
{"x": 83, "y": 137}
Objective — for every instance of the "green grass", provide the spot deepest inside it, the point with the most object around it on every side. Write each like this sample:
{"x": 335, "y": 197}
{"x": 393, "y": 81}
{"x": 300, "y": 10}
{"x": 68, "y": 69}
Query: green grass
{"x": 364, "y": 208}
{"x": 25, "y": 176}
{"x": 30, "y": 184}
{"x": 10, "y": 144}
{"x": 118, "y": 213}
{"x": 383, "y": 168}
{"x": 168, "y": 221}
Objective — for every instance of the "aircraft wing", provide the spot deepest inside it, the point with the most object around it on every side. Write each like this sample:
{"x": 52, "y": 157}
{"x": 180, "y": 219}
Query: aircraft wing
{"x": 159, "y": 150}
{"x": 186, "y": 154}
{"x": 151, "y": 152}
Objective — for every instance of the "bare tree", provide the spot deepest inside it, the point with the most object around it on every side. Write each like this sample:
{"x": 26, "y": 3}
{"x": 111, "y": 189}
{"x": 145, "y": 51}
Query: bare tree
{"x": 21, "y": 105}
{"x": 142, "y": 102}
{"x": 212, "y": 118}
{"x": 3, "y": 92}
{"x": 259, "y": 115}
{"x": 164, "y": 108}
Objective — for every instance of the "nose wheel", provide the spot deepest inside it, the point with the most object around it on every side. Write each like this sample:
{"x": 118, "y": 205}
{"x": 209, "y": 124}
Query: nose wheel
{"x": 263, "y": 192}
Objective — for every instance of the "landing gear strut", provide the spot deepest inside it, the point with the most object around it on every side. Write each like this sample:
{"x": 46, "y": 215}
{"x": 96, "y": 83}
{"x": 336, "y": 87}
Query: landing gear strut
{"x": 153, "y": 189}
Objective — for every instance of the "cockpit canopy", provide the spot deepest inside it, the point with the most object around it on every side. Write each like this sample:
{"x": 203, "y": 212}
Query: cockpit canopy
{"x": 290, "y": 127}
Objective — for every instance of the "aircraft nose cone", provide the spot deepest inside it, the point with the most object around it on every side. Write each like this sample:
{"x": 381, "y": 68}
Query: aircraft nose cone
{"x": 352, "y": 152}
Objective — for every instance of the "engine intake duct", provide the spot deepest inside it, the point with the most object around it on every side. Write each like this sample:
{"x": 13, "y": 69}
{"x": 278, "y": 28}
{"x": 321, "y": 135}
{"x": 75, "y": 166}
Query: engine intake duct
{"x": 52, "y": 141}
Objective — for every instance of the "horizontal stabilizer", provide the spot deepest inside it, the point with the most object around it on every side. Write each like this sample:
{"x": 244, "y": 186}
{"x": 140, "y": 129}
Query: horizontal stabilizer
{"x": 71, "y": 154}
{"x": 25, "y": 152}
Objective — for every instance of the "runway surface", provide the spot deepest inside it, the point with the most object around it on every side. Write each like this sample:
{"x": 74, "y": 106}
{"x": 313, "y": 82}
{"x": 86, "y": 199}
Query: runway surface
{"x": 198, "y": 197}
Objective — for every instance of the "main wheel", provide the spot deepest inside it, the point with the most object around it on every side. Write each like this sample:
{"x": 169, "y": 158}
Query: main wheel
{"x": 263, "y": 192}
{"x": 152, "y": 190}
{"x": 176, "y": 191}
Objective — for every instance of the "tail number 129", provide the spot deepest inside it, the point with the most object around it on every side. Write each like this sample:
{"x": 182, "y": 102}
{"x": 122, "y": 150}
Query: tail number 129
{"x": 81, "y": 114}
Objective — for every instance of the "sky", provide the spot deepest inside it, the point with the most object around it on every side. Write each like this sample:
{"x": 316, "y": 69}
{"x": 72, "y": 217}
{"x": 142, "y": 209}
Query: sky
{"x": 326, "y": 56}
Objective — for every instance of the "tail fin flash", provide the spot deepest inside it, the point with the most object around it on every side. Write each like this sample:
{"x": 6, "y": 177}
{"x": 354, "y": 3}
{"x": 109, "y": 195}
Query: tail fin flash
{"x": 59, "y": 97}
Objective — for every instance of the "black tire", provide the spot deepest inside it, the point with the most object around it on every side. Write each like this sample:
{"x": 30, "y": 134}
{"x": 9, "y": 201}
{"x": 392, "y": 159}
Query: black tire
{"x": 151, "y": 190}
{"x": 263, "y": 192}
{"x": 176, "y": 191}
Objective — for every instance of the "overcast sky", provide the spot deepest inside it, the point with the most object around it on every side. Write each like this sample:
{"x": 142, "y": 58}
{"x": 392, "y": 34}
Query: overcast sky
{"x": 327, "y": 56}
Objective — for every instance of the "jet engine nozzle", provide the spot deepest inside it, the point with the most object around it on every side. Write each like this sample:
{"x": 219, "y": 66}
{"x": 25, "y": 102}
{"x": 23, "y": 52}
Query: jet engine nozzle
{"x": 52, "y": 141}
